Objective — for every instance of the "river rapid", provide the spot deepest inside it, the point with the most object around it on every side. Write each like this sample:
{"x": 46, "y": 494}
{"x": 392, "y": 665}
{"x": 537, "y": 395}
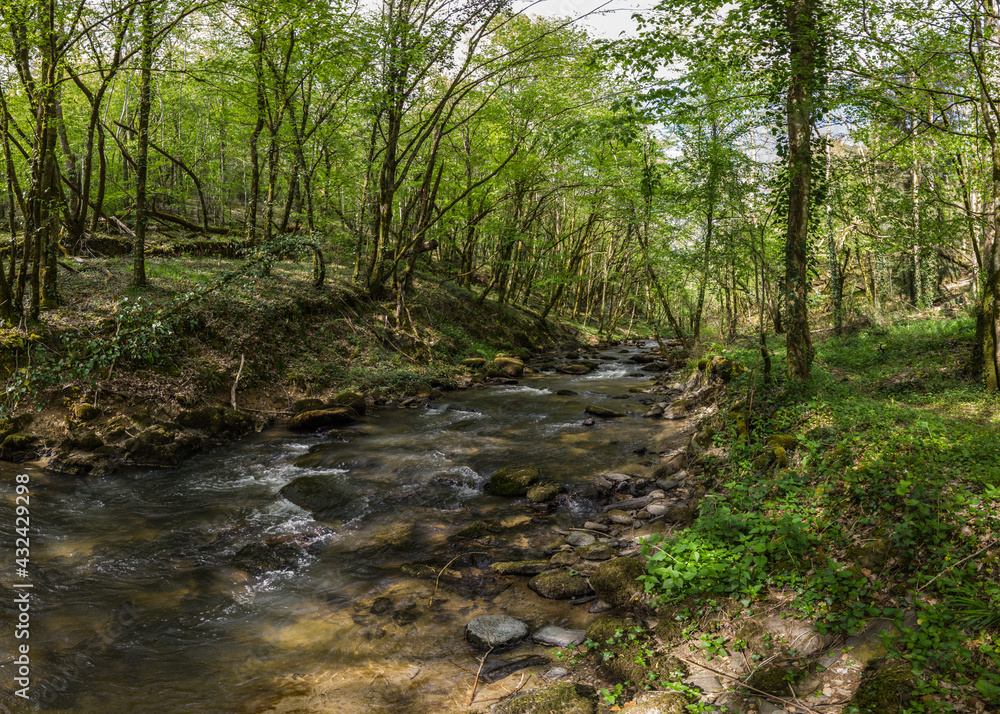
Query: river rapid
{"x": 139, "y": 603}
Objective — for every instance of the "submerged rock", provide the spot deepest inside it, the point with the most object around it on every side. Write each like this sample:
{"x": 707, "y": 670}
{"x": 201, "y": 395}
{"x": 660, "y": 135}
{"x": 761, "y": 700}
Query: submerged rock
{"x": 603, "y": 412}
{"x": 521, "y": 567}
{"x": 316, "y": 494}
{"x": 513, "y": 480}
{"x": 259, "y": 557}
{"x": 496, "y": 631}
{"x": 559, "y": 636}
{"x": 543, "y": 492}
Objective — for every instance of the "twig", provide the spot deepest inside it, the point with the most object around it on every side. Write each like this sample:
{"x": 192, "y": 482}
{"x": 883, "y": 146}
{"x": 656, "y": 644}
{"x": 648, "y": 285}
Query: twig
{"x": 437, "y": 580}
{"x": 956, "y": 563}
{"x": 772, "y": 697}
{"x": 475, "y": 684}
{"x": 239, "y": 373}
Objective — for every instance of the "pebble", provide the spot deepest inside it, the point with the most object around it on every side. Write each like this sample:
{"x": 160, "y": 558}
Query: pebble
{"x": 556, "y": 673}
{"x": 657, "y": 494}
{"x": 659, "y": 507}
{"x": 591, "y": 526}
{"x": 559, "y": 636}
{"x": 667, "y": 483}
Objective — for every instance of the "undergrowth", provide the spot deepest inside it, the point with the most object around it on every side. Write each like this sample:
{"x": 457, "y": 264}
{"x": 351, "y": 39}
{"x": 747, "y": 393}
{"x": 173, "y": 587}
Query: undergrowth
{"x": 879, "y": 497}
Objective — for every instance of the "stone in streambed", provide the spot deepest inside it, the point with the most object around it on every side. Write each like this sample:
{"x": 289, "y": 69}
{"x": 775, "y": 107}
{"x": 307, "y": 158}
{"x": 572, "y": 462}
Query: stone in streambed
{"x": 596, "y": 551}
{"x": 513, "y": 481}
{"x": 321, "y": 419}
{"x": 602, "y": 412}
{"x": 474, "y": 362}
{"x": 316, "y": 494}
{"x": 495, "y": 631}
{"x": 573, "y": 368}
{"x": 355, "y": 401}
{"x": 508, "y": 366}
{"x": 307, "y": 405}
{"x": 259, "y": 558}
{"x": 560, "y": 585}
{"x": 559, "y": 636}
{"x": 543, "y": 492}
{"x": 521, "y": 567}
{"x": 578, "y": 538}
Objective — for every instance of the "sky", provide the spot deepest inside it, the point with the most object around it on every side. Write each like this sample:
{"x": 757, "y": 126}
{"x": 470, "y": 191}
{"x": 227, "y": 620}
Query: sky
{"x": 611, "y": 19}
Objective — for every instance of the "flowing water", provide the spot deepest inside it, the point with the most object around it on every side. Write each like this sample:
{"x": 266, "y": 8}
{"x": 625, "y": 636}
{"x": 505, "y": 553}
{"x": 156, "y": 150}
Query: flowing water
{"x": 137, "y": 605}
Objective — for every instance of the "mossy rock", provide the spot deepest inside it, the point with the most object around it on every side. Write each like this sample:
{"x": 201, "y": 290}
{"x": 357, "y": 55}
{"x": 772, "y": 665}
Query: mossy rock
{"x": 521, "y": 567}
{"x": 513, "y": 480}
{"x": 627, "y": 653}
{"x": 787, "y": 442}
{"x": 479, "y": 530}
{"x": 86, "y": 412}
{"x": 560, "y": 585}
{"x": 509, "y": 366}
{"x": 725, "y": 369}
{"x": 354, "y": 401}
{"x": 474, "y": 362}
{"x": 307, "y": 405}
{"x": 559, "y": 698}
{"x": 780, "y": 457}
{"x": 321, "y": 419}
{"x": 673, "y": 703}
{"x": 543, "y": 492}
{"x": 616, "y": 581}
{"x": 218, "y": 422}
{"x": 873, "y": 555}
{"x": 13, "y": 425}
{"x": 602, "y": 412}
{"x": 573, "y": 368}
{"x": 19, "y": 447}
{"x": 885, "y": 689}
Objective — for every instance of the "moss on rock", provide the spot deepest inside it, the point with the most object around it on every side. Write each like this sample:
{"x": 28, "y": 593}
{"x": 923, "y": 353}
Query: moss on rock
{"x": 627, "y": 653}
{"x": 355, "y": 401}
{"x": 86, "y": 412}
{"x": 543, "y": 492}
{"x": 321, "y": 419}
{"x": 883, "y": 690}
{"x": 616, "y": 581}
{"x": 559, "y": 698}
{"x": 560, "y": 585}
{"x": 513, "y": 480}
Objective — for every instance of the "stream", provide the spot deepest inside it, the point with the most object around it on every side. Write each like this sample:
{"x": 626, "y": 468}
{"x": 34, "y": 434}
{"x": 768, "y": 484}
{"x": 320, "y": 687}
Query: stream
{"x": 137, "y": 604}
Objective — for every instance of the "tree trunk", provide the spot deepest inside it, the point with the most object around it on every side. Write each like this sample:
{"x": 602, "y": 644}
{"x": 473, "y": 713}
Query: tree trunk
{"x": 142, "y": 149}
{"x": 802, "y": 28}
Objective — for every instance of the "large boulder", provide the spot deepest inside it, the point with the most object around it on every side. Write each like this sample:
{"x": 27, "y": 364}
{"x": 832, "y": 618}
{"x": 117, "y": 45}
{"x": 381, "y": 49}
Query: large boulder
{"x": 19, "y": 447}
{"x": 573, "y": 368}
{"x": 217, "y": 422}
{"x": 509, "y": 366}
{"x": 495, "y": 631}
{"x": 355, "y": 401}
{"x": 321, "y": 419}
{"x": 616, "y": 581}
{"x": 513, "y": 480}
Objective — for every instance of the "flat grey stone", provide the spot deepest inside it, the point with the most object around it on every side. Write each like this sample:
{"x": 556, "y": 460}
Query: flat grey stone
{"x": 667, "y": 484}
{"x": 495, "y": 631}
{"x": 578, "y": 538}
{"x": 591, "y": 526}
{"x": 600, "y": 606}
{"x": 556, "y": 673}
{"x": 658, "y": 508}
{"x": 559, "y": 636}
{"x": 705, "y": 681}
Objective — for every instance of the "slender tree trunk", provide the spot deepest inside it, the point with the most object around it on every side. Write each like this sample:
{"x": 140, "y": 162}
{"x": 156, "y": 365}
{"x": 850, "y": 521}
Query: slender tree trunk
{"x": 142, "y": 149}
{"x": 802, "y": 29}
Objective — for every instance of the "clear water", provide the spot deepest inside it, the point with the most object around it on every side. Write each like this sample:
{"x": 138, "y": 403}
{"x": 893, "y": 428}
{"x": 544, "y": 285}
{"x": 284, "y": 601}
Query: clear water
{"x": 137, "y": 606}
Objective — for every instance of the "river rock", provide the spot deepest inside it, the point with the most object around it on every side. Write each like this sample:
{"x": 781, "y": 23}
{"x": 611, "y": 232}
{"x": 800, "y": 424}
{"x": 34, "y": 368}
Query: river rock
{"x": 513, "y": 480}
{"x": 321, "y": 419}
{"x": 620, "y": 517}
{"x": 509, "y": 366}
{"x": 596, "y": 551}
{"x": 578, "y": 538}
{"x": 521, "y": 567}
{"x": 654, "y": 411}
{"x": 82, "y": 439}
{"x": 678, "y": 409}
{"x": 217, "y": 422}
{"x": 317, "y": 494}
{"x": 616, "y": 581}
{"x": 310, "y": 404}
{"x": 566, "y": 393}
{"x": 573, "y": 368}
{"x": 259, "y": 558}
{"x": 355, "y": 401}
{"x": 592, "y": 526}
{"x": 14, "y": 425}
{"x": 86, "y": 412}
{"x": 474, "y": 362}
{"x": 560, "y": 585}
{"x": 658, "y": 508}
{"x": 496, "y": 631}
{"x": 566, "y": 558}
{"x": 558, "y": 698}
{"x": 602, "y": 412}
{"x": 672, "y": 703}
{"x": 543, "y": 492}
{"x": 559, "y": 637}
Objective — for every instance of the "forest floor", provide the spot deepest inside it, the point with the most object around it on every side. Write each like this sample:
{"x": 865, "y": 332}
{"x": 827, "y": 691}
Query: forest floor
{"x": 872, "y": 498}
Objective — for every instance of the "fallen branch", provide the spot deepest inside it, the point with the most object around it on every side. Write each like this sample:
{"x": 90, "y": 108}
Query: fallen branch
{"x": 475, "y": 684}
{"x": 956, "y": 563}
